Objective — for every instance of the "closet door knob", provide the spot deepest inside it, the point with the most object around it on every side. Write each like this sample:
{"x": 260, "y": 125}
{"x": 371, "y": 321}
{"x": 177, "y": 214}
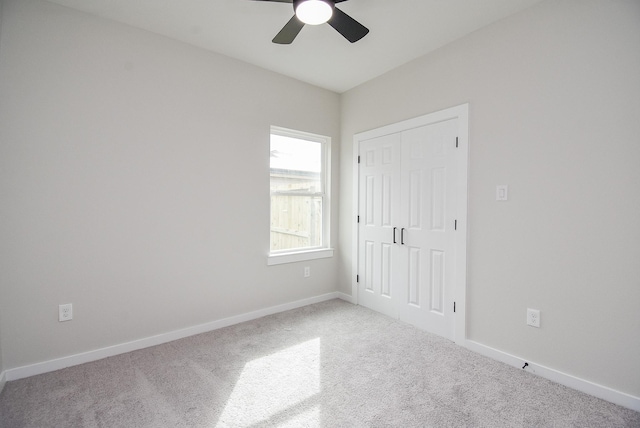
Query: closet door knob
{"x": 394, "y": 235}
{"x": 402, "y": 236}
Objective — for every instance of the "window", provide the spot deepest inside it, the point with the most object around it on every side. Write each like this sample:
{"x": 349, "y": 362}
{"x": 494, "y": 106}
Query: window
{"x": 299, "y": 199}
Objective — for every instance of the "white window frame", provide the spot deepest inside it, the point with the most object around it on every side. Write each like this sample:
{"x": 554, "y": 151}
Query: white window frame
{"x": 324, "y": 251}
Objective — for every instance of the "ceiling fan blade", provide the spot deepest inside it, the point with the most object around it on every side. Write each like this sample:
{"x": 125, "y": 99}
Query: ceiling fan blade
{"x": 289, "y": 31}
{"x": 351, "y": 29}
{"x": 280, "y": 1}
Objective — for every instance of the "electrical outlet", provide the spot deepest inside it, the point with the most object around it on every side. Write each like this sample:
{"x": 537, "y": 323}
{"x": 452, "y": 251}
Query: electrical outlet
{"x": 533, "y": 317}
{"x": 307, "y": 271}
{"x": 65, "y": 312}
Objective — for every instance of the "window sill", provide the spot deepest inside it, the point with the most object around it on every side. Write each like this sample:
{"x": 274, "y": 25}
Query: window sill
{"x": 299, "y": 256}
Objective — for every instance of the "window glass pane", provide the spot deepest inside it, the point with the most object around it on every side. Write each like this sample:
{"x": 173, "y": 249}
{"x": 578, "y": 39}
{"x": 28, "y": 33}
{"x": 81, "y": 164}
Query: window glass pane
{"x": 297, "y": 193}
{"x": 296, "y": 165}
{"x": 296, "y": 222}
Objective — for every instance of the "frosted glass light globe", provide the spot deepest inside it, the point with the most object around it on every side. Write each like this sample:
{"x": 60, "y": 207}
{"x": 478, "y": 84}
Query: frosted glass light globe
{"x": 314, "y": 12}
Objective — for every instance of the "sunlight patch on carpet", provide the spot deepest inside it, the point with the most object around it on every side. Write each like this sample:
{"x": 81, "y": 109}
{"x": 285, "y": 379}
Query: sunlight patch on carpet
{"x": 272, "y": 385}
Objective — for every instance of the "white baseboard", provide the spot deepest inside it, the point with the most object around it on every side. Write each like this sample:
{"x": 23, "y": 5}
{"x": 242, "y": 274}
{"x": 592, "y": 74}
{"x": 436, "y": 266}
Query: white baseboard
{"x": 3, "y": 380}
{"x": 345, "y": 297}
{"x": 594, "y": 389}
{"x": 98, "y": 354}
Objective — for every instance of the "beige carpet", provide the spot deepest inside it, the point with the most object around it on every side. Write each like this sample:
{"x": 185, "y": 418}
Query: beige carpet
{"x": 326, "y": 365}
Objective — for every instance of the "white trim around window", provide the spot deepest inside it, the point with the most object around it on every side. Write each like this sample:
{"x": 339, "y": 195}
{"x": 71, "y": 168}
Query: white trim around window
{"x": 299, "y": 256}
{"x": 323, "y": 250}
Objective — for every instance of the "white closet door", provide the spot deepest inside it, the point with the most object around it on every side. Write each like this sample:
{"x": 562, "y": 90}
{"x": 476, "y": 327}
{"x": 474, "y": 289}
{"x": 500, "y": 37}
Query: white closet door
{"x": 379, "y": 208}
{"x": 412, "y": 178}
{"x": 428, "y": 218}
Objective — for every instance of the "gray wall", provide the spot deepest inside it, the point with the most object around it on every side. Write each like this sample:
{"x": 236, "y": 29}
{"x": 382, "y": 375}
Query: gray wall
{"x": 134, "y": 183}
{"x": 554, "y": 97}
{"x": 2, "y": 285}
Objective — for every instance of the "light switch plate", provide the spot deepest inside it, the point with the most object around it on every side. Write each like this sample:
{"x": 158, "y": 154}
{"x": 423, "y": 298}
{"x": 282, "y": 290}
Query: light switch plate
{"x": 502, "y": 192}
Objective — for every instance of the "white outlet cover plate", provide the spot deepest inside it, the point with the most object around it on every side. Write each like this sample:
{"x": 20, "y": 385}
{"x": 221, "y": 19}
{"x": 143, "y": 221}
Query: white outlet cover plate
{"x": 65, "y": 312}
{"x": 533, "y": 317}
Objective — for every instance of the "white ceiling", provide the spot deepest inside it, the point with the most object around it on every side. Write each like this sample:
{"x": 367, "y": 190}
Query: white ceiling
{"x": 399, "y": 32}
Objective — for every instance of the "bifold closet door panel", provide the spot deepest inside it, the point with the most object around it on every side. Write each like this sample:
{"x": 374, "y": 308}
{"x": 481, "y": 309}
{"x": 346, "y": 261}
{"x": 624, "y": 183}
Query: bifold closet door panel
{"x": 379, "y": 208}
{"x": 428, "y": 183}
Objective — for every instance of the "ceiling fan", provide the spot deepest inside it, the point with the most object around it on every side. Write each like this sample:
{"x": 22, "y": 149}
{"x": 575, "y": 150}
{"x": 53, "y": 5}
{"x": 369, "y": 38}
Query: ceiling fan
{"x": 316, "y": 12}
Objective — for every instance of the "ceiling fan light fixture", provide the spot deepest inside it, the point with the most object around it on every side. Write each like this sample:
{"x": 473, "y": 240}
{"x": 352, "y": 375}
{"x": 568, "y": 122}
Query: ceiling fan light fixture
{"x": 314, "y": 12}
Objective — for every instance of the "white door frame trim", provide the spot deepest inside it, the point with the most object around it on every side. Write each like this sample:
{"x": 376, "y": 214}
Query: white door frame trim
{"x": 461, "y": 113}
